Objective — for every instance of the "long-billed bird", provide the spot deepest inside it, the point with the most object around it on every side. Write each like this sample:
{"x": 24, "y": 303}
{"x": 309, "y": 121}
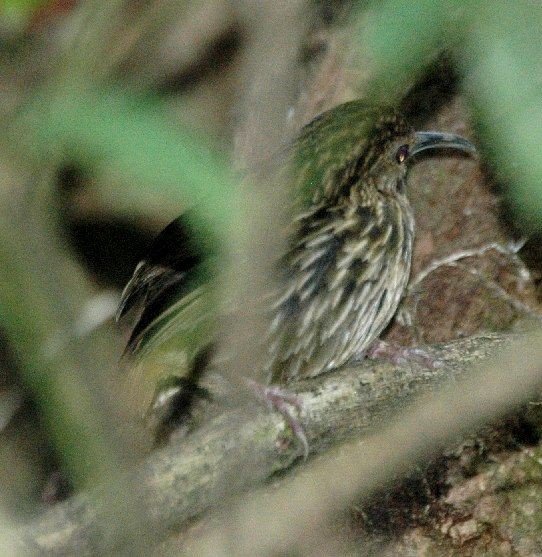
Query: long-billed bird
{"x": 345, "y": 270}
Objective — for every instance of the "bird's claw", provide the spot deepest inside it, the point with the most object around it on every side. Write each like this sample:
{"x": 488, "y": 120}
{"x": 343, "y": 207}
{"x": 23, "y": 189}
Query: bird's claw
{"x": 282, "y": 401}
{"x": 401, "y": 355}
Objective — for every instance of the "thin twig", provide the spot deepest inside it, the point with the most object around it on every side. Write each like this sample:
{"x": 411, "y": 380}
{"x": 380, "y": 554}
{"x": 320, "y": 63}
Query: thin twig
{"x": 509, "y": 250}
{"x": 497, "y": 289}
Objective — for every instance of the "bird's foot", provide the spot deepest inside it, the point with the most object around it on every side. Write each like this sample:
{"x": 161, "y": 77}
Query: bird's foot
{"x": 283, "y": 402}
{"x": 401, "y": 355}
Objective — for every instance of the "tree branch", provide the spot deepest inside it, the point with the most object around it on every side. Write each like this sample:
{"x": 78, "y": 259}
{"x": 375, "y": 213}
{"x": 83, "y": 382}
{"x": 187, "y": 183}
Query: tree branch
{"x": 237, "y": 449}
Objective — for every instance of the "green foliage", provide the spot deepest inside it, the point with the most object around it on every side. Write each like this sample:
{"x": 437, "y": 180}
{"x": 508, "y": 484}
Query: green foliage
{"x": 504, "y": 69}
{"x": 132, "y": 137}
{"x": 403, "y": 36}
{"x": 497, "y": 46}
{"x": 17, "y": 11}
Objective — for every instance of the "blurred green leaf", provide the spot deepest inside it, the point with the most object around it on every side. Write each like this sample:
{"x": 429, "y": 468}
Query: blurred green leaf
{"x": 504, "y": 66}
{"x": 16, "y": 12}
{"x": 400, "y": 38}
{"x": 133, "y": 137}
{"x": 498, "y": 46}
{"x": 157, "y": 159}
{"x": 40, "y": 324}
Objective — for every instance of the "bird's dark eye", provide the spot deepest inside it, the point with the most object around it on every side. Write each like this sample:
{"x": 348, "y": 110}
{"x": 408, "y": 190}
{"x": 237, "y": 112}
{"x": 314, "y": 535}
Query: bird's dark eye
{"x": 401, "y": 154}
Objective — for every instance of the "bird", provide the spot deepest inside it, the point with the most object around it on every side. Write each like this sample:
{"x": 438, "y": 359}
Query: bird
{"x": 343, "y": 273}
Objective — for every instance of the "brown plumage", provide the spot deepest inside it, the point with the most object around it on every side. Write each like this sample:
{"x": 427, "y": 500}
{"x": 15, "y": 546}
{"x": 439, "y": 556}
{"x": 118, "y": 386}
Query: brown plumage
{"x": 345, "y": 276}
{"x": 345, "y": 269}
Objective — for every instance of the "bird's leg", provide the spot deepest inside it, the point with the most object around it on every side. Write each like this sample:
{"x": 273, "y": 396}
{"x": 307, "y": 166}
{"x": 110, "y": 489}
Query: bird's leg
{"x": 401, "y": 355}
{"x": 282, "y": 401}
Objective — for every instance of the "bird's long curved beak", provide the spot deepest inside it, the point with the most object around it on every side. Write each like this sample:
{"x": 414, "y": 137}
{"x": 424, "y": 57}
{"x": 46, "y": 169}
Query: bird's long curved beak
{"x": 438, "y": 140}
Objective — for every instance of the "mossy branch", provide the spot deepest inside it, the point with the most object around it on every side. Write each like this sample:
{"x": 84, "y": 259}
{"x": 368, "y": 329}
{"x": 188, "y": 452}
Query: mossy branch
{"x": 238, "y": 449}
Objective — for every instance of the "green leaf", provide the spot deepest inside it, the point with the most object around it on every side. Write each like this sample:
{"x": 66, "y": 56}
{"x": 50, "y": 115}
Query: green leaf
{"x": 504, "y": 65}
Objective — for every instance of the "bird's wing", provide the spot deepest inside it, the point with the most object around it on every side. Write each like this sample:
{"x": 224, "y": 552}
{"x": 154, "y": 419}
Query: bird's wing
{"x": 174, "y": 323}
{"x": 167, "y": 272}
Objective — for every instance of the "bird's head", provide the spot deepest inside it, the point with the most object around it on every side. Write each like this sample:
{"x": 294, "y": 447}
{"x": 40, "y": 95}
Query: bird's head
{"x": 356, "y": 145}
